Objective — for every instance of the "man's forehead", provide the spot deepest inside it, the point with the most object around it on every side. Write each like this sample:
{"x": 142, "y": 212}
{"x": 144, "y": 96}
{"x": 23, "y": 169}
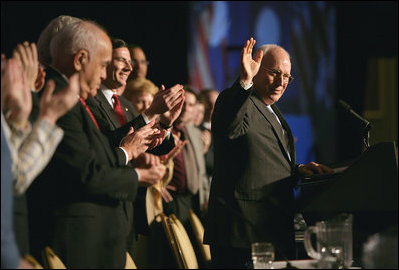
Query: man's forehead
{"x": 123, "y": 51}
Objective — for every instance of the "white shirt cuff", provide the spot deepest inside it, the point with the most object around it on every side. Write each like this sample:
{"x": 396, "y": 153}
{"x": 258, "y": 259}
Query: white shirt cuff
{"x": 138, "y": 175}
{"x": 246, "y": 86}
{"x": 126, "y": 155}
{"x": 145, "y": 118}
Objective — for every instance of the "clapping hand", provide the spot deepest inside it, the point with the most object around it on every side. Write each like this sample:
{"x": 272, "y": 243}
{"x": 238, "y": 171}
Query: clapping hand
{"x": 137, "y": 142}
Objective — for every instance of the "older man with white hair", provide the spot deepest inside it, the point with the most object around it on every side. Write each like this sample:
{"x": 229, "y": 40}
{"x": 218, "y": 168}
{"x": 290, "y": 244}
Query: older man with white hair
{"x": 77, "y": 202}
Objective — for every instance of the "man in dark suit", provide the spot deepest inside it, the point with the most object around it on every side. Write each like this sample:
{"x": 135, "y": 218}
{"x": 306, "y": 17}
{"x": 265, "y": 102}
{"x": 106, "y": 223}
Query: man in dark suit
{"x": 114, "y": 113}
{"x": 254, "y": 148}
{"x": 76, "y": 204}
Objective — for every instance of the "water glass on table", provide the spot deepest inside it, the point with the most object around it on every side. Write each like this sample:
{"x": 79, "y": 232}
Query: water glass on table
{"x": 262, "y": 255}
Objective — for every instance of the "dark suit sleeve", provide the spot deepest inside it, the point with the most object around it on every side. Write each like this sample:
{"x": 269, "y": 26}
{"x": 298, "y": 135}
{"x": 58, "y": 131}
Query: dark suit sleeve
{"x": 85, "y": 164}
{"x": 231, "y": 111}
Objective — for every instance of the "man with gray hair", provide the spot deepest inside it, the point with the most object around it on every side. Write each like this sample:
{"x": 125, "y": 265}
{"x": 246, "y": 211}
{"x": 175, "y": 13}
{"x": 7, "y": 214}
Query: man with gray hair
{"x": 43, "y": 43}
{"x": 254, "y": 149}
{"x": 76, "y": 204}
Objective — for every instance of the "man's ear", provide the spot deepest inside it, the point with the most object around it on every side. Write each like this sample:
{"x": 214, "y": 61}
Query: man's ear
{"x": 80, "y": 59}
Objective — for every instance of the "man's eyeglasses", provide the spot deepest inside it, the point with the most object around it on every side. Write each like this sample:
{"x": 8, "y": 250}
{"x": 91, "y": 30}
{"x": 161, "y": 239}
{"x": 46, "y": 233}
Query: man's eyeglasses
{"x": 287, "y": 78}
{"x": 141, "y": 62}
{"x": 124, "y": 60}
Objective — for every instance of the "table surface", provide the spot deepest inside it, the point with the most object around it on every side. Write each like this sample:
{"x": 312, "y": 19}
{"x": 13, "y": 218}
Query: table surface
{"x": 300, "y": 264}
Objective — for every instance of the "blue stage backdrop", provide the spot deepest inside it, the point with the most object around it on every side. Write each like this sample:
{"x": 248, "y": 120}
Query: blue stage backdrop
{"x": 219, "y": 29}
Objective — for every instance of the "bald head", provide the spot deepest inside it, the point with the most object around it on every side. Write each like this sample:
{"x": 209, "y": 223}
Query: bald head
{"x": 271, "y": 80}
{"x": 76, "y": 36}
{"x": 82, "y": 47}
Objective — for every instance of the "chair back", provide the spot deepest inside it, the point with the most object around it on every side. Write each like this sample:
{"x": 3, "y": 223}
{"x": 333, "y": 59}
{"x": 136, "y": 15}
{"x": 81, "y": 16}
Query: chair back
{"x": 33, "y": 261}
{"x": 184, "y": 242}
{"x": 52, "y": 260}
{"x": 199, "y": 235}
{"x": 129, "y": 262}
{"x": 177, "y": 252}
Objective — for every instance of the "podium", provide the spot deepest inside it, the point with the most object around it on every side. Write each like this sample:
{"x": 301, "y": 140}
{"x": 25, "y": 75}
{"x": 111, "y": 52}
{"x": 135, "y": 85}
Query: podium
{"x": 367, "y": 188}
{"x": 370, "y": 183}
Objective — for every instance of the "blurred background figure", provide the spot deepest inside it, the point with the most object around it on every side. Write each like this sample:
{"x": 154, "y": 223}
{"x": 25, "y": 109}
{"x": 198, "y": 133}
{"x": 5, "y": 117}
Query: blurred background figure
{"x": 200, "y": 110}
{"x": 381, "y": 250}
{"x": 208, "y": 97}
{"x": 140, "y": 62}
{"x": 140, "y": 93}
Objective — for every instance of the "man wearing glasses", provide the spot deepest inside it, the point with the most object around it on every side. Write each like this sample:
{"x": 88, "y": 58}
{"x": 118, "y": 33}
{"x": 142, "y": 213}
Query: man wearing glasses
{"x": 254, "y": 148}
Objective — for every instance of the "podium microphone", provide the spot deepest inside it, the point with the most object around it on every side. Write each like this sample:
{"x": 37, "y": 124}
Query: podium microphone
{"x": 223, "y": 203}
{"x": 365, "y": 124}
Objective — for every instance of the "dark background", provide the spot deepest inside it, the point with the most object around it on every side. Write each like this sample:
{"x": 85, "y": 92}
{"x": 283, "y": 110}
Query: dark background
{"x": 363, "y": 30}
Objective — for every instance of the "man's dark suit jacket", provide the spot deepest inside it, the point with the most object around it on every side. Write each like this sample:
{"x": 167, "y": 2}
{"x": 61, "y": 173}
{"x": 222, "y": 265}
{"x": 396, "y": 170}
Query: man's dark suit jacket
{"x": 109, "y": 125}
{"x": 76, "y": 203}
{"x": 250, "y": 158}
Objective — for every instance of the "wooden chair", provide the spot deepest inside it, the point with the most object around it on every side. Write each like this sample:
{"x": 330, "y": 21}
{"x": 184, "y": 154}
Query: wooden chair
{"x": 199, "y": 235}
{"x": 129, "y": 262}
{"x": 52, "y": 260}
{"x": 33, "y": 261}
{"x": 171, "y": 237}
{"x": 184, "y": 242}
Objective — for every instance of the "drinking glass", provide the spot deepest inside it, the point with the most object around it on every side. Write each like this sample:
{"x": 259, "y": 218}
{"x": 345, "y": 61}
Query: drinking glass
{"x": 262, "y": 255}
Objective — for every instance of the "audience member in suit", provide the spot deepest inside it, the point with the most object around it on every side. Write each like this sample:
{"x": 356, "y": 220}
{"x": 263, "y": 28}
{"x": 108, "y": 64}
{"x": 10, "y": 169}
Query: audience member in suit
{"x": 105, "y": 109}
{"x": 208, "y": 97}
{"x": 76, "y": 204}
{"x": 189, "y": 187}
{"x": 254, "y": 148}
{"x": 32, "y": 145}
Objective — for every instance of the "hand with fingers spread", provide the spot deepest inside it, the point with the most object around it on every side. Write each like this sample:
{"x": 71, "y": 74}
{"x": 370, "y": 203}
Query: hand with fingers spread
{"x": 27, "y": 55}
{"x": 17, "y": 96}
{"x": 166, "y": 196}
{"x": 164, "y": 101}
{"x": 137, "y": 142}
{"x": 169, "y": 117}
{"x": 249, "y": 67}
{"x": 53, "y": 106}
{"x": 150, "y": 168}
{"x": 313, "y": 168}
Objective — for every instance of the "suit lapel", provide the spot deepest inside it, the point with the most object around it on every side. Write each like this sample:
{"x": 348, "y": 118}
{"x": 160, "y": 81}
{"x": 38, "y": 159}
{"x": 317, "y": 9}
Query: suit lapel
{"x": 127, "y": 109}
{"x": 277, "y": 129}
{"x": 107, "y": 109}
{"x": 93, "y": 131}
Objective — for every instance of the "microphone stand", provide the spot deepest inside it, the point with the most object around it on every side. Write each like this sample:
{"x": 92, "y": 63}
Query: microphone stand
{"x": 223, "y": 203}
{"x": 365, "y": 125}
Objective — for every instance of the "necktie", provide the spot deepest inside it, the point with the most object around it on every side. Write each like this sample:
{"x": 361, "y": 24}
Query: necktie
{"x": 191, "y": 166}
{"x": 90, "y": 113}
{"x": 118, "y": 110}
{"x": 285, "y": 135}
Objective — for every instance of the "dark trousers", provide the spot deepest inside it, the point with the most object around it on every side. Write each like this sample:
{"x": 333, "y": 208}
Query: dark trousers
{"x": 224, "y": 257}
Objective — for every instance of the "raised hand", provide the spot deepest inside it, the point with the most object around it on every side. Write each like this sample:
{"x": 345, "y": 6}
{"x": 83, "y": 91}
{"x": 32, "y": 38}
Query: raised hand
{"x": 53, "y": 106}
{"x": 17, "y": 96}
{"x": 137, "y": 142}
{"x": 164, "y": 101}
{"x": 249, "y": 67}
{"x": 27, "y": 54}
